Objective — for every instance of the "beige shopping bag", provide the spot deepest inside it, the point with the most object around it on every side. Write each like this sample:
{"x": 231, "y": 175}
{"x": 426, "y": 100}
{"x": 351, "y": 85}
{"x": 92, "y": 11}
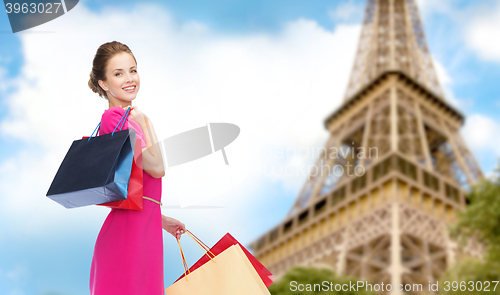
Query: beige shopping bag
{"x": 228, "y": 273}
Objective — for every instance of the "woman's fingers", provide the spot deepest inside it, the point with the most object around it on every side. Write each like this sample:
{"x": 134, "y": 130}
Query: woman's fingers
{"x": 180, "y": 231}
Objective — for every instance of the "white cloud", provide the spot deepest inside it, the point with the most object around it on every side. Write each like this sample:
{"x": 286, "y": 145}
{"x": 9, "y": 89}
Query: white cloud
{"x": 481, "y": 134}
{"x": 277, "y": 88}
{"x": 442, "y": 74}
{"x": 347, "y": 12}
{"x": 482, "y": 31}
{"x": 446, "y": 81}
{"x": 429, "y": 7}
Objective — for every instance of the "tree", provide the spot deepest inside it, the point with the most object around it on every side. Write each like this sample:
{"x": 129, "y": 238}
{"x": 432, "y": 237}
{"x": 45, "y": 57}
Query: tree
{"x": 480, "y": 220}
{"x": 299, "y": 280}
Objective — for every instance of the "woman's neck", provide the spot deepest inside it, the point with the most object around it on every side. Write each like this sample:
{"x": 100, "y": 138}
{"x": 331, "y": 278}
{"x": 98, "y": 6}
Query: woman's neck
{"x": 124, "y": 104}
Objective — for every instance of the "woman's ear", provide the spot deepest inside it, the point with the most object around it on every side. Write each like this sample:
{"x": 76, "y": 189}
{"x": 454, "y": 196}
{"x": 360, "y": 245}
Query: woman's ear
{"x": 103, "y": 85}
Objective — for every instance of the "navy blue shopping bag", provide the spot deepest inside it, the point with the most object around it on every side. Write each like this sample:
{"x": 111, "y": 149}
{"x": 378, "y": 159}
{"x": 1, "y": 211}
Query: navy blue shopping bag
{"x": 95, "y": 170}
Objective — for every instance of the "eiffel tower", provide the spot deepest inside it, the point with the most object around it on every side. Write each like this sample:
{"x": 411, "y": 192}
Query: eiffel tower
{"x": 381, "y": 212}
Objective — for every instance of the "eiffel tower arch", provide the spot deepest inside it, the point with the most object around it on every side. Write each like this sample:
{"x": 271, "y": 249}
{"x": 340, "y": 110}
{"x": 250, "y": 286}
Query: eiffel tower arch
{"x": 384, "y": 218}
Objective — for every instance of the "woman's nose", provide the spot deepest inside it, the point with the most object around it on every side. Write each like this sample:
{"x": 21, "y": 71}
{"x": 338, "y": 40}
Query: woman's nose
{"x": 129, "y": 77}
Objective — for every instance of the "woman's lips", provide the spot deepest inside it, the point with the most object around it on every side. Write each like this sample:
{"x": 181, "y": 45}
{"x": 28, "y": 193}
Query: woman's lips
{"x": 129, "y": 90}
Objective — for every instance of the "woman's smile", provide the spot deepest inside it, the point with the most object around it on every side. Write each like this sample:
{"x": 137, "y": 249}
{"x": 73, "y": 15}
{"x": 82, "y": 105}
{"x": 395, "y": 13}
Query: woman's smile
{"x": 129, "y": 89}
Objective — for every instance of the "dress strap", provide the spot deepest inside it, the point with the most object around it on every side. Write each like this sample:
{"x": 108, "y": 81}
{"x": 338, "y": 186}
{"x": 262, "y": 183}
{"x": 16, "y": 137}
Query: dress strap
{"x": 153, "y": 200}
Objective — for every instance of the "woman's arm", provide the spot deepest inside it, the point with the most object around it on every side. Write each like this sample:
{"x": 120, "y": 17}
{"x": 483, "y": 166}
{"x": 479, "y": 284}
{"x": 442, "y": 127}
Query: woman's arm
{"x": 151, "y": 155}
{"x": 152, "y": 161}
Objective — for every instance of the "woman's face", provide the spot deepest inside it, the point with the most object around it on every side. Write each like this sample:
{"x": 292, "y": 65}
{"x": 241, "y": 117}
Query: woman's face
{"x": 122, "y": 80}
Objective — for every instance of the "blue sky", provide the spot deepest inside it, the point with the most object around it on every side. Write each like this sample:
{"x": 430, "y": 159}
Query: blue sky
{"x": 275, "y": 68}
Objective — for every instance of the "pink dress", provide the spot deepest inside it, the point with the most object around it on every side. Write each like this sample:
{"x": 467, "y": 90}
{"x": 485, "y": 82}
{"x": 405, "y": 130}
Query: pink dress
{"x": 128, "y": 253}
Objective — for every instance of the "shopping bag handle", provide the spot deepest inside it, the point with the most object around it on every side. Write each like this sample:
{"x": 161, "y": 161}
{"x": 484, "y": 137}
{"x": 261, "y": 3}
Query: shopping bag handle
{"x": 204, "y": 247}
{"x": 124, "y": 116}
{"x": 122, "y": 124}
{"x": 200, "y": 244}
{"x": 98, "y": 126}
{"x": 184, "y": 262}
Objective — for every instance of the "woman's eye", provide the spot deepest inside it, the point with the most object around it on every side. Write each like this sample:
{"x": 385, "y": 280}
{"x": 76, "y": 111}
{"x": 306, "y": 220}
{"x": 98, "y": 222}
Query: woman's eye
{"x": 118, "y": 74}
{"x": 134, "y": 71}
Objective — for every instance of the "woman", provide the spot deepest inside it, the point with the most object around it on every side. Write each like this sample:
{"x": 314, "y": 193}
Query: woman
{"x": 128, "y": 254}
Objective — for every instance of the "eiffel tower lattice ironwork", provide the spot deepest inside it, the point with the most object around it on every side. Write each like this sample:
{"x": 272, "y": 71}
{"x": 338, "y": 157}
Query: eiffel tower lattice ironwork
{"x": 380, "y": 213}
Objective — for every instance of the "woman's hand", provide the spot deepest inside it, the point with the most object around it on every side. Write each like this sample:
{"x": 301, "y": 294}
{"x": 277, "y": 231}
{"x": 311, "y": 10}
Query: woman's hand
{"x": 173, "y": 226}
{"x": 136, "y": 115}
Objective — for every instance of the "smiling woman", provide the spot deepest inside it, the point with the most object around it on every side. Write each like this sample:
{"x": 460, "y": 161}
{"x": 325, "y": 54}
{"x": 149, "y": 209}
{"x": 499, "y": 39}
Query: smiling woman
{"x": 104, "y": 57}
{"x": 128, "y": 253}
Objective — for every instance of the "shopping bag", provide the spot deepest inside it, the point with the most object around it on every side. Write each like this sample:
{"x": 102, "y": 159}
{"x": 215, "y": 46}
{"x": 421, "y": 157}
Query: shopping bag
{"x": 95, "y": 170}
{"x": 135, "y": 185}
{"x": 228, "y": 273}
{"x": 224, "y": 243}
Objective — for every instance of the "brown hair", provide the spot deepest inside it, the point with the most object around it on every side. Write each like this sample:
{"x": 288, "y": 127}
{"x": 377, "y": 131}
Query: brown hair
{"x": 104, "y": 53}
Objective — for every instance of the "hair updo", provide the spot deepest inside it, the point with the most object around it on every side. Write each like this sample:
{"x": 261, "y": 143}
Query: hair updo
{"x": 104, "y": 53}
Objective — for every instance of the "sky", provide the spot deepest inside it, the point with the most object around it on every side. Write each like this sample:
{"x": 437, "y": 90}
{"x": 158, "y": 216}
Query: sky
{"x": 274, "y": 68}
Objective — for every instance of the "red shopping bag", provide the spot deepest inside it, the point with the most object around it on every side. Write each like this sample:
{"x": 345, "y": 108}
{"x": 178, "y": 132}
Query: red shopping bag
{"x": 134, "y": 194}
{"x": 227, "y": 241}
